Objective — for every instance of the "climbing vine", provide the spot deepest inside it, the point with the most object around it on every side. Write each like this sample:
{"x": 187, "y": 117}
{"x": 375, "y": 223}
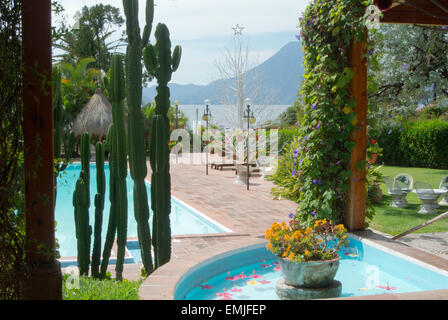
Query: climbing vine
{"x": 321, "y": 153}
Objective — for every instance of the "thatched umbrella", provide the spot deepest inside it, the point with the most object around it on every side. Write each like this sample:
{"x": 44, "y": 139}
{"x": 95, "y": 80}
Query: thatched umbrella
{"x": 95, "y": 118}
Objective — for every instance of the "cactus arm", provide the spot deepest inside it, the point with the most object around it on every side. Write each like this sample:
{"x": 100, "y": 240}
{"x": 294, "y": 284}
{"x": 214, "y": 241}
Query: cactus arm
{"x": 150, "y": 59}
{"x": 177, "y": 53}
{"x": 111, "y": 227}
{"x": 99, "y": 207}
{"x": 149, "y": 15}
{"x": 81, "y": 202}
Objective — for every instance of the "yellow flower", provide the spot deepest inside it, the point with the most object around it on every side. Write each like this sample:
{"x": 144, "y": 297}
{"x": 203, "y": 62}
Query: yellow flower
{"x": 291, "y": 256}
{"x": 307, "y": 252}
{"x": 268, "y": 234}
{"x": 346, "y": 110}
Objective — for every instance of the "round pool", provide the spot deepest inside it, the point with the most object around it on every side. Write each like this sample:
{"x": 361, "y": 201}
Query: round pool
{"x": 251, "y": 273}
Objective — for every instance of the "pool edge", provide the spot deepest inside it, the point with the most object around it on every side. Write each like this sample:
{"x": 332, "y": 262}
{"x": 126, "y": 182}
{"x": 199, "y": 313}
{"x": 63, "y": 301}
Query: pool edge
{"x": 161, "y": 285}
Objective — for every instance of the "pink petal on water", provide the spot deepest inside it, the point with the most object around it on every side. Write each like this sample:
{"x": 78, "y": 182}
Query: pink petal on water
{"x": 206, "y": 286}
{"x": 265, "y": 265}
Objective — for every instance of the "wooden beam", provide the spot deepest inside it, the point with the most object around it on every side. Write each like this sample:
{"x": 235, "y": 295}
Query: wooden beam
{"x": 356, "y": 202}
{"x": 441, "y": 216}
{"x": 407, "y": 13}
{"x": 45, "y": 279}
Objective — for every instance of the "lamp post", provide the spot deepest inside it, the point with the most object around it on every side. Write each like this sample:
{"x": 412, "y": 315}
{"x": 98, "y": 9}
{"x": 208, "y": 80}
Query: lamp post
{"x": 250, "y": 119}
{"x": 176, "y": 105}
{"x": 206, "y": 117}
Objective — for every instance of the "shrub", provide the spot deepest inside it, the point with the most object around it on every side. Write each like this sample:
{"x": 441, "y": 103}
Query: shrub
{"x": 416, "y": 144}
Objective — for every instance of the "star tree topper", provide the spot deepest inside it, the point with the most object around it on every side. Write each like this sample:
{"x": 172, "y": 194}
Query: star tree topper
{"x": 237, "y": 30}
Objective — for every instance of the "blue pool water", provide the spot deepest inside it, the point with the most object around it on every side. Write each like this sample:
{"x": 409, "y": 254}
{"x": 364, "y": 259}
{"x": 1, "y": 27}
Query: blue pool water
{"x": 184, "y": 219}
{"x": 252, "y": 272}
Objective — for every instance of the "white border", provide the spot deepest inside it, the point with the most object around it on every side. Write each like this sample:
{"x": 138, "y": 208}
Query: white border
{"x": 202, "y": 215}
{"x": 400, "y": 255}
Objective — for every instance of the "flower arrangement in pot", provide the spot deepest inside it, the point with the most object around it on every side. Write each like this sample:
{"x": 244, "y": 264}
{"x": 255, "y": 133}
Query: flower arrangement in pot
{"x": 308, "y": 256}
{"x": 373, "y": 151}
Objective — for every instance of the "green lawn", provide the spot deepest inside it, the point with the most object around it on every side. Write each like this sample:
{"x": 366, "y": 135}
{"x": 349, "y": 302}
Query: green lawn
{"x": 95, "y": 289}
{"x": 395, "y": 220}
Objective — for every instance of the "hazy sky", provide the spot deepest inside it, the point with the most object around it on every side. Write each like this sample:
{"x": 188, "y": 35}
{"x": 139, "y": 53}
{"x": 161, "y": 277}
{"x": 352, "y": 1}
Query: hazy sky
{"x": 204, "y": 29}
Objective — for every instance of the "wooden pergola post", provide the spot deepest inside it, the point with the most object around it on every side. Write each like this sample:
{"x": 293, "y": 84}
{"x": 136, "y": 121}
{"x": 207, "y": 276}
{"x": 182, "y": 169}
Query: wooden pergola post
{"x": 45, "y": 278}
{"x": 356, "y": 202}
{"x": 410, "y": 12}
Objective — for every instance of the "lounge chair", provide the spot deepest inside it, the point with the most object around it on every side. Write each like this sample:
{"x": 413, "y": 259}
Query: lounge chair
{"x": 427, "y": 196}
{"x": 228, "y": 160}
{"x": 404, "y": 182}
{"x": 444, "y": 186}
{"x": 265, "y": 166}
{"x": 241, "y": 173}
{"x": 398, "y": 196}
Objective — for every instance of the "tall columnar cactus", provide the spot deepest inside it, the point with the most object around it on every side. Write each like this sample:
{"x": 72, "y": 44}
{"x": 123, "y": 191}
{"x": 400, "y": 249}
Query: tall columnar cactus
{"x": 119, "y": 163}
{"x": 161, "y": 64}
{"x": 112, "y": 225}
{"x": 136, "y": 139}
{"x": 81, "y": 203}
{"x": 99, "y": 207}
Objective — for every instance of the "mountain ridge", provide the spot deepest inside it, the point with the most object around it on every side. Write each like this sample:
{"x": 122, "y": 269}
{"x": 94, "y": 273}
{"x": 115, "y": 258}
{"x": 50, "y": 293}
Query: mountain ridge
{"x": 282, "y": 74}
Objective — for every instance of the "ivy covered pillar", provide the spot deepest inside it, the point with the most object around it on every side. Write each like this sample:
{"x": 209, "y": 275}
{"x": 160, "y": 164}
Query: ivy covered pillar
{"x": 44, "y": 278}
{"x": 356, "y": 197}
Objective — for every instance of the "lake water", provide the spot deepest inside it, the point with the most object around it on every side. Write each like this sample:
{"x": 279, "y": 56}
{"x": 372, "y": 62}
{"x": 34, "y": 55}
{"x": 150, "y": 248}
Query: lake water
{"x": 226, "y": 116}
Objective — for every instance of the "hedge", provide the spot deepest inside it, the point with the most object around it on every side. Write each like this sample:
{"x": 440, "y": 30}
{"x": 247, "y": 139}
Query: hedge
{"x": 416, "y": 144}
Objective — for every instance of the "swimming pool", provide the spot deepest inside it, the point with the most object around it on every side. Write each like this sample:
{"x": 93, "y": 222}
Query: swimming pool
{"x": 251, "y": 273}
{"x": 184, "y": 219}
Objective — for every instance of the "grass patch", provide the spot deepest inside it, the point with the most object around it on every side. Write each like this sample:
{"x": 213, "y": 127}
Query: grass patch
{"x": 95, "y": 289}
{"x": 397, "y": 220}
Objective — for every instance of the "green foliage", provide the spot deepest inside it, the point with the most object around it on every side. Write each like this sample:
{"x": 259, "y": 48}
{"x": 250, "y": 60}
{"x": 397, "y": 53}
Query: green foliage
{"x": 59, "y": 117}
{"x": 12, "y": 181}
{"x": 136, "y": 133}
{"x": 78, "y": 85}
{"x": 94, "y": 289}
{"x": 285, "y": 137}
{"x": 321, "y": 154}
{"x": 413, "y": 66}
{"x": 416, "y": 144}
{"x": 288, "y": 117}
{"x": 92, "y": 37}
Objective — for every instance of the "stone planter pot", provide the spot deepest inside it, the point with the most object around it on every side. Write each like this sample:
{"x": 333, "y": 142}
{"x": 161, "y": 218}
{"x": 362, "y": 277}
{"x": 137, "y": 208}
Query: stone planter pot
{"x": 309, "y": 274}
